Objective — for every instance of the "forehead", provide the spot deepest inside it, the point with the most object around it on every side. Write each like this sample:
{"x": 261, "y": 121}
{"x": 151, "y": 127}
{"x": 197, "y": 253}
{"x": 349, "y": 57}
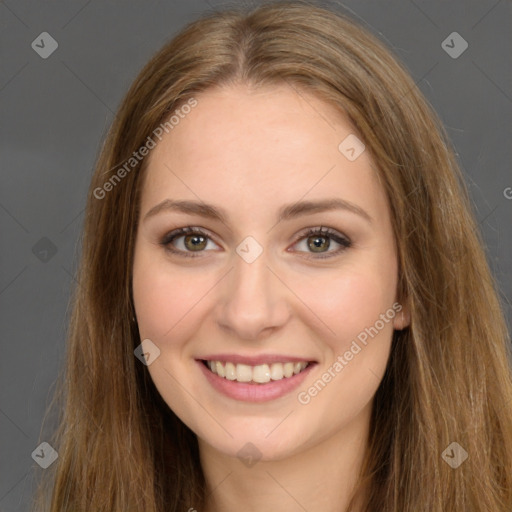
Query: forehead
{"x": 255, "y": 124}
{"x": 249, "y": 148}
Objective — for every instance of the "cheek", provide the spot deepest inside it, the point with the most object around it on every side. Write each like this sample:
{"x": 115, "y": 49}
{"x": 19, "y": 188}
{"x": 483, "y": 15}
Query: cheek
{"x": 165, "y": 299}
{"x": 349, "y": 302}
{"x": 358, "y": 308}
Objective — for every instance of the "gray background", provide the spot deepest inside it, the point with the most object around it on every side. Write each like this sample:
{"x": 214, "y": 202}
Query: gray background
{"x": 54, "y": 114}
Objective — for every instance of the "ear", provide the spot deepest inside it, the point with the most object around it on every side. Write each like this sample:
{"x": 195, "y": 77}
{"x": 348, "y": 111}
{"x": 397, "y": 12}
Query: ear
{"x": 403, "y": 316}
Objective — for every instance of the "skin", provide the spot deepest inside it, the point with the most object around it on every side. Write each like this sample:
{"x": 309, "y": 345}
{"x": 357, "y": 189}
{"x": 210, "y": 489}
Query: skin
{"x": 250, "y": 152}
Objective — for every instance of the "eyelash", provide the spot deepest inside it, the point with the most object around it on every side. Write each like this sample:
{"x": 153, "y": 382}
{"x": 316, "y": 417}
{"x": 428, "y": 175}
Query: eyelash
{"x": 343, "y": 241}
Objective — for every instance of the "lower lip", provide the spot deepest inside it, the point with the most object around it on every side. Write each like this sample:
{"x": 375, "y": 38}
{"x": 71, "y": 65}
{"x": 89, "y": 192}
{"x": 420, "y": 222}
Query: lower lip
{"x": 255, "y": 392}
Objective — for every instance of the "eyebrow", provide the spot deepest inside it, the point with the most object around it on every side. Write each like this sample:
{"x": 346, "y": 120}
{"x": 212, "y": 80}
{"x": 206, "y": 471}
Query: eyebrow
{"x": 287, "y": 212}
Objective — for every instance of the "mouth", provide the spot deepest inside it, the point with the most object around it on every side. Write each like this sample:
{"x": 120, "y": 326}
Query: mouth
{"x": 255, "y": 378}
{"x": 256, "y": 374}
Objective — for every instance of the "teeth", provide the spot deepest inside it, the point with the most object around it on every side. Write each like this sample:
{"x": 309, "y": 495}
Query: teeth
{"x": 288, "y": 369}
{"x": 220, "y": 369}
{"x": 260, "y": 374}
{"x": 276, "y": 371}
{"x": 243, "y": 372}
{"x": 230, "y": 371}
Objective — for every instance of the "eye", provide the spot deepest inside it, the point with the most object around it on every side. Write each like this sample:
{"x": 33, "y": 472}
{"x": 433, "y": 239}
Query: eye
{"x": 318, "y": 241}
{"x": 186, "y": 241}
{"x": 191, "y": 241}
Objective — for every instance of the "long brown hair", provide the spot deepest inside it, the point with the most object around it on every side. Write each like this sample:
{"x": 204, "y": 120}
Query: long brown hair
{"x": 449, "y": 374}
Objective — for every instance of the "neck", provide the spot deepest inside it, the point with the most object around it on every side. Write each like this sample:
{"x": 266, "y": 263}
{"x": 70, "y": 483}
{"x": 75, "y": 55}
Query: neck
{"x": 321, "y": 477}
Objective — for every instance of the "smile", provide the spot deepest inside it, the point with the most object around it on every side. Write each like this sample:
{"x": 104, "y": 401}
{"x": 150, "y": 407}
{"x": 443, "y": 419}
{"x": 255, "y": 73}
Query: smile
{"x": 255, "y": 378}
{"x": 259, "y": 374}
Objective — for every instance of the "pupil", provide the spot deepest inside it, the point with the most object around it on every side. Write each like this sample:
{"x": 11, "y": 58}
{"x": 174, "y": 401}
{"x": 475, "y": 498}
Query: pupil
{"x": 197, "y": 241}
{"x": 319, "y": 242}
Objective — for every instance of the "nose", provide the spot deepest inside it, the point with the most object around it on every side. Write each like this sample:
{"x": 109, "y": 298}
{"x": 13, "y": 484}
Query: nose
{"x": 253, "y": 301}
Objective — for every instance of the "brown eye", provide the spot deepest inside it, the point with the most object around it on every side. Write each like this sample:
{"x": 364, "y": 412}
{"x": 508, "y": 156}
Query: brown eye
{"x": 318, "y": 243}
{"x": 195, "y": 242}
{"x": 187, "y": 241}
{"x": 322, "y": 242}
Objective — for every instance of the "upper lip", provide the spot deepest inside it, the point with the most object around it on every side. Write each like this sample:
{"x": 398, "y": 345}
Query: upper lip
{"x": 255, "y": 360}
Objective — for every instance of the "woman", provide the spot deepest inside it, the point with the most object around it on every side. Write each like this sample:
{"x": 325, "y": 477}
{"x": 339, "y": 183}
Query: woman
{"x": 283, "y": 296}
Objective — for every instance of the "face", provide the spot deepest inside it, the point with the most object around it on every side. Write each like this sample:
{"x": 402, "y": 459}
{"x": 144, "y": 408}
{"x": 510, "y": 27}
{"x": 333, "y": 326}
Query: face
{"x": 283, "y": 282}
